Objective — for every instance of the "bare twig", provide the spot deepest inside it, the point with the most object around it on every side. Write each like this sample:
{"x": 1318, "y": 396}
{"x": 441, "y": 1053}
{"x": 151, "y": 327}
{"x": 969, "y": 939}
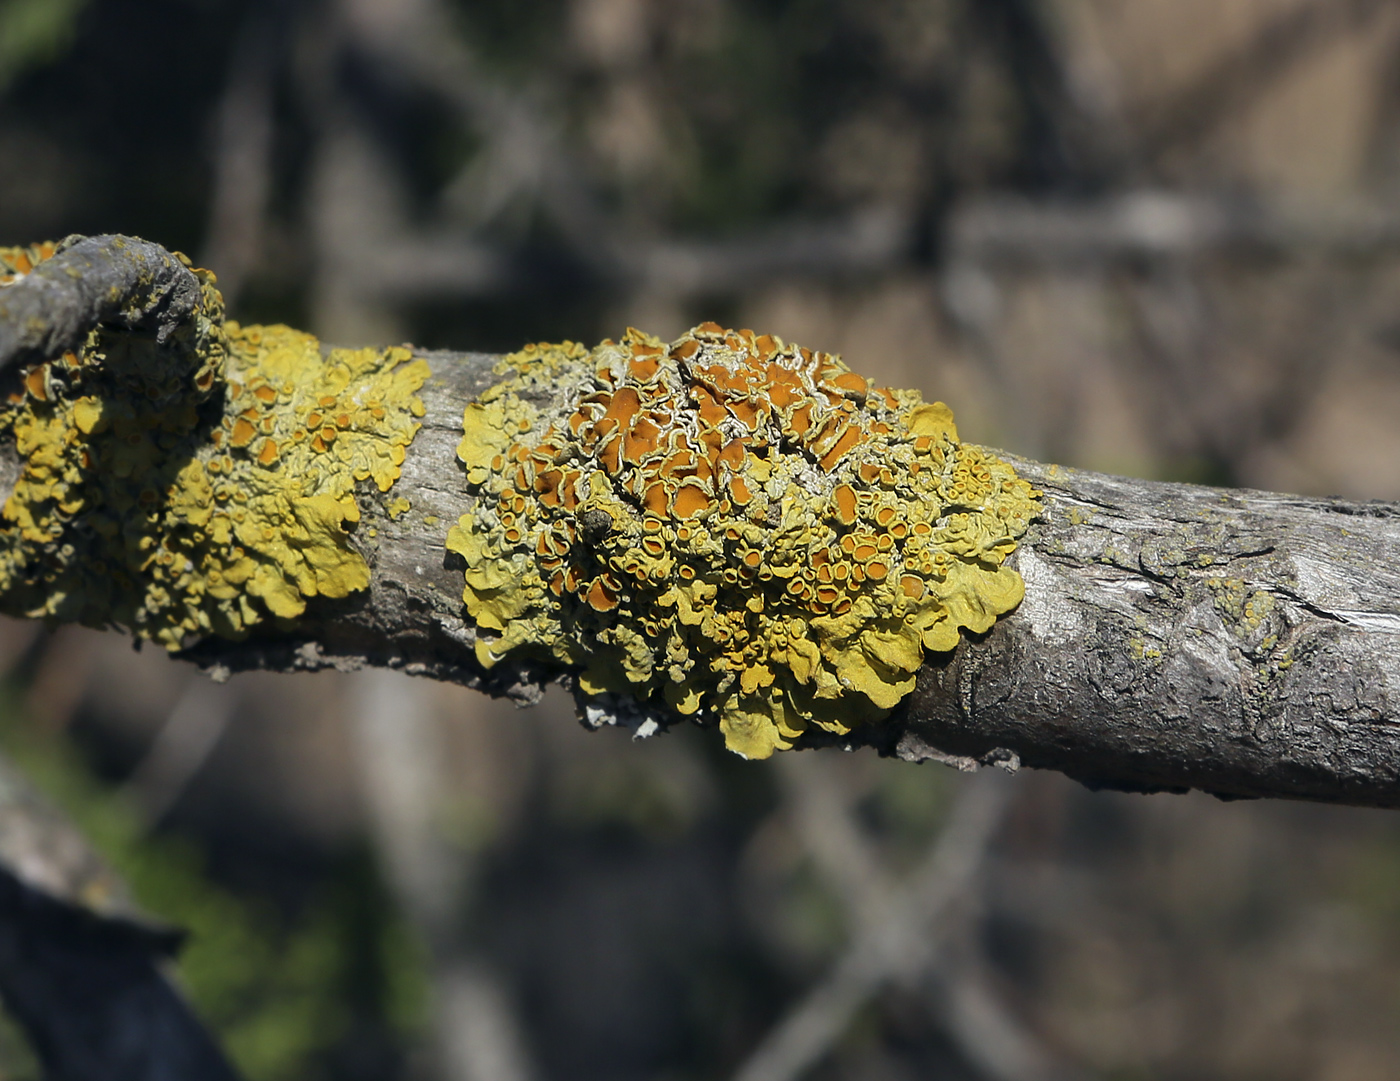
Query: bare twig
{"x": 893, "y": 947}
{"x": 477, "y": 1036}
{"x": 119, "y": 280}
{"x": 181, "y": 747}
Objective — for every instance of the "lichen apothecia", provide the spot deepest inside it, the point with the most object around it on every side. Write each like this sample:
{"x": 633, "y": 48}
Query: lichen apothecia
{"x": 16, "y": 263}
{"x": 198, "y": 484}
{"x": 729, "y": 527}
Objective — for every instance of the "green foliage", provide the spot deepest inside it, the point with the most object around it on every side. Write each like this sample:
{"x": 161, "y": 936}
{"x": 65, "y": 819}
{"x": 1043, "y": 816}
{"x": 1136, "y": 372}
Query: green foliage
{"x": 34, "y": 33}
{"x": 17, "y": 1061}
{"x": 280, "y": 993}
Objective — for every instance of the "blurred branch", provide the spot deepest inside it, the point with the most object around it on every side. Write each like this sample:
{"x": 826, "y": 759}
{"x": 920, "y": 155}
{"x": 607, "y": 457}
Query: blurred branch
{"x": 871, "y": 242}
{"x": 1019, "y": 234}
{"x": 370, "y": 255}
{"x": 80, "y": 970}
{"x": 987, "y": 1034}
{"x": 477, "y": 1036}
{"x": 375, "y": 255}
{"x": 243, "y": 156}
{"x": 898, "y": 931}
{"x": 1172, "y": 636}
{"x": 180, "y": 749}
{"x": 966, "y": 1009}
{"x": 1147, "y": 250}
{"x": 1246, "y": 74}
{"x": 524, "y": 157}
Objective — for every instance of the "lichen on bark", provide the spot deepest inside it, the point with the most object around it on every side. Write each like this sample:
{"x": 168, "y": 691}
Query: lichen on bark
{"x": 729, "y": 527}
{"x": 195, "y": 481}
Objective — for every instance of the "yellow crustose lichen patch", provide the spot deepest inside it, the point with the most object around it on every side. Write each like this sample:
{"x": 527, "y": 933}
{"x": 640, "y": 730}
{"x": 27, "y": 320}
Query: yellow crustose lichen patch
{"x": 730, "y": 525}
{"x": 199, "y": 485}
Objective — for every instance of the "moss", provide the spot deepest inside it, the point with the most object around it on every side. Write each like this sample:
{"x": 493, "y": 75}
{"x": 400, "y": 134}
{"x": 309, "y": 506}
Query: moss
{"x": 200, "y": 484}
{"x": 730, "y": 527}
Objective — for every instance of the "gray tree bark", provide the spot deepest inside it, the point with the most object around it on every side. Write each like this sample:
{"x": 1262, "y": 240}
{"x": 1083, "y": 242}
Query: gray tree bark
{"x": 1172, "y": 636}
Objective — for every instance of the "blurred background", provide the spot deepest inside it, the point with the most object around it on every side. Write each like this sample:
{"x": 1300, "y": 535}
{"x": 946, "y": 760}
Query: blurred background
{"x": 1156, "y": 237}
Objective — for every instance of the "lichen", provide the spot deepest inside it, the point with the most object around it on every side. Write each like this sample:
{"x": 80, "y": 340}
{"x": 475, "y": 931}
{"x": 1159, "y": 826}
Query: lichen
{"x": 16, "y": 263}
{"x": 1250, "y": 615}
{"x": 200, "y": 484}
{"x": 729, "y": 527}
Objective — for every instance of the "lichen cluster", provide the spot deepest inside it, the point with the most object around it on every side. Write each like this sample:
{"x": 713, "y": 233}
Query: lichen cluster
{"x": 1248, "y": 614}
{"x": 729, "y": 527}
{"x": 199, "y": 484}
{"x": 15, "y": 263}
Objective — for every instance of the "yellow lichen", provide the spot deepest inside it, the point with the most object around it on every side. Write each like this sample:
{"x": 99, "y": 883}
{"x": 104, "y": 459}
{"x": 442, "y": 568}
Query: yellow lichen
{"x": 200, "y": 484}
{"x": 15, "y": 263}
{"x": 1243, "y": 611}
{"x": 731, "y": 526}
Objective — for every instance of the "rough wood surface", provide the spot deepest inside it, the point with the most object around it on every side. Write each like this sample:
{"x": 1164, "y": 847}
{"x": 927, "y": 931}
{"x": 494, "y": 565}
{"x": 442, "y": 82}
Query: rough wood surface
{"x": 1176, "y": 636}
{"x": 117, "y": 280}
{"x": 1172, "y": 636}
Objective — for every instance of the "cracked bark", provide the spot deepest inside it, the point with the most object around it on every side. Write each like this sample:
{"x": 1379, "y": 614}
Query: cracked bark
{"x": 1172, "y": 636}
{"x": 1129, "y": 664}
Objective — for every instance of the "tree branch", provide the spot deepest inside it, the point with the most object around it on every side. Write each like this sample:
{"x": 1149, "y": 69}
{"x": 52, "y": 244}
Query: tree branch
{"x": 119, "y": 280}
{"x": 1171, "y": 636}
{"x": 1176, "y": 636}
{"x": 80, "y": 969}
{"x": 898, "y": 942}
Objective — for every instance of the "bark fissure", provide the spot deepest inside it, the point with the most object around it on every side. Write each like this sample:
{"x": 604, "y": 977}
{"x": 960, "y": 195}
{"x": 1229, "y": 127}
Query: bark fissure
{"x": 1172, "y": 636}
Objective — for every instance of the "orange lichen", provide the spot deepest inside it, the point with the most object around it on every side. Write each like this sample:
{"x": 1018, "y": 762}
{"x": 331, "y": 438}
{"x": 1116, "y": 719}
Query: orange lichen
{"x": 15, "y": 263}
{"x": 242, "y": 432}
{"x": 730, "y": 526}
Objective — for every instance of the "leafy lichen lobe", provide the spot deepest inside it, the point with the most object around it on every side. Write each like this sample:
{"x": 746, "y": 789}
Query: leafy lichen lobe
{"x": 198, "y": 484}
{"x": 731, "y": 527}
